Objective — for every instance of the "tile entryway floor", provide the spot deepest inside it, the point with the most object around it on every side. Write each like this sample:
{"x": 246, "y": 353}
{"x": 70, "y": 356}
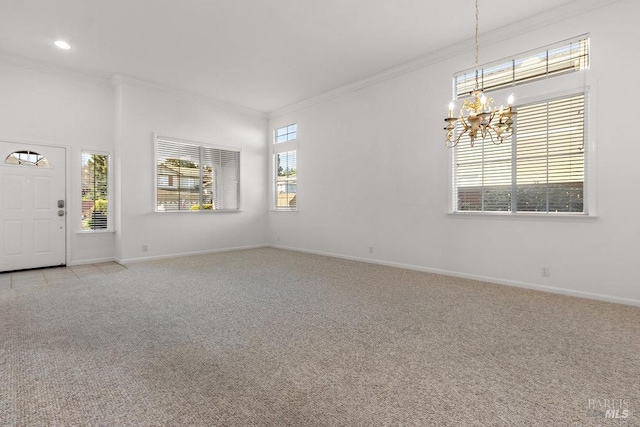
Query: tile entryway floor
{"x": 56, "y": 275}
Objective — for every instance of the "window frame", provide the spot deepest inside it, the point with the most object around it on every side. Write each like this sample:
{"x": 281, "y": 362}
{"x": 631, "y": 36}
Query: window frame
{"x": 509, "y": 67}
{"x": 202, "y": 147}
{"x": 110, "y": 209}
{"x": 539, "y": 91}
{"x": 278, "y": 148}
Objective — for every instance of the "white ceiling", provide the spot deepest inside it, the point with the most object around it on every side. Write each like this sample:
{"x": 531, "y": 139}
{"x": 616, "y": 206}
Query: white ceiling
{"x": 259, "y": 54}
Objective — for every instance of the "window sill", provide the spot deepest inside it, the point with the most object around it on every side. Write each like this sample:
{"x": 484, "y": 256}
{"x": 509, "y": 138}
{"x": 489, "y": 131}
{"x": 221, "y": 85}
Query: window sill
{"x": 283, "y": 210}
{"x": 524, "y": 216}
{"x": 200, "y": 211}
{"x": 91, "y": 232}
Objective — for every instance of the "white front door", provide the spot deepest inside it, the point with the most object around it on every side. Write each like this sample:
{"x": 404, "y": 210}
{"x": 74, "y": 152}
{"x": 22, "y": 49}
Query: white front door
{"x": 32, "y": 206}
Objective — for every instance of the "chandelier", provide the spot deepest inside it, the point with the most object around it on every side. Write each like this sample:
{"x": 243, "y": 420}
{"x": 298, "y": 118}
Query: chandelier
{"x": 479, "y": 115}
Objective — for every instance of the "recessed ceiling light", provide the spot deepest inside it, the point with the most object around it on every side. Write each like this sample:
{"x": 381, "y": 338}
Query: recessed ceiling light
{"x": 62, "y": 44}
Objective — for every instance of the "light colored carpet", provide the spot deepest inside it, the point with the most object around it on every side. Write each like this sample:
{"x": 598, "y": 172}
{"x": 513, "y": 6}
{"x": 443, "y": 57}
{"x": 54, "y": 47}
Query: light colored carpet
{"x": 268, "y": 337}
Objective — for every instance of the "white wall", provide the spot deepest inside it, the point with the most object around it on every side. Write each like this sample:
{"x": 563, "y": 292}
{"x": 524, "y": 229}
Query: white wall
{"x": 141, "y": 111}
{"x": 374, "y": 172}
{"x": 51, "y": 109}
{"x": 49, "y": 106}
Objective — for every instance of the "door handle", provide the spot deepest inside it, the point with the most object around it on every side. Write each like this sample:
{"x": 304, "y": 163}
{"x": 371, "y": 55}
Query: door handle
{"x": 60, "y": 203}
{"x": 61, "y": 212}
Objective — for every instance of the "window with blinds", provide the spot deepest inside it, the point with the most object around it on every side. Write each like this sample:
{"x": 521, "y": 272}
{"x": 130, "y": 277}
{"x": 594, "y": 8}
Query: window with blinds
{"x": 285, "y": 182}
{"x": 285, "y": 168}
{"x": 193, "y": 177}
{"x": 541, "y": 169}
{"x": 560, "y": 58}
{"x": 94, "y": 181}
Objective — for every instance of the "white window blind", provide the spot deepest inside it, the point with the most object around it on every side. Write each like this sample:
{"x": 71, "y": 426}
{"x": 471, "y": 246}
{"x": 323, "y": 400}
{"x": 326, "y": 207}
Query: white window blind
{"x": 194, "y": 177}
{"x": 550, "y": 156}
{"x": 560, "y": 58}
{"x": 95, "y": 191}
{"x": 540, "y": 170}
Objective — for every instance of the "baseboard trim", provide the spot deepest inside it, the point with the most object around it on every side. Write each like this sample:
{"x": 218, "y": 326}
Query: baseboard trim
{"x": 89, "y": 261}
{"x": 492, "y": 280}
{"x": 126, "y": 261}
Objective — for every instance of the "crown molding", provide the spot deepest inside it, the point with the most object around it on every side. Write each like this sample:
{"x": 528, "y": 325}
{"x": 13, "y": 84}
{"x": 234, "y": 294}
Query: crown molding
{"x": 518, "y": 28}
{"x": 84, "y": 76}
{"x": 119, "y": 79}
{"x": 112, "y": 81}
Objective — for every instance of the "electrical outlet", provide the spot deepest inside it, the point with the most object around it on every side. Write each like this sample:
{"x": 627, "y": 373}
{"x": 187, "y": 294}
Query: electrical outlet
{"x": 370, "y": 249}
{"x": 278, "y": 239}
{"x": 145, "y": 248}
{"x": 545, "y": 272}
